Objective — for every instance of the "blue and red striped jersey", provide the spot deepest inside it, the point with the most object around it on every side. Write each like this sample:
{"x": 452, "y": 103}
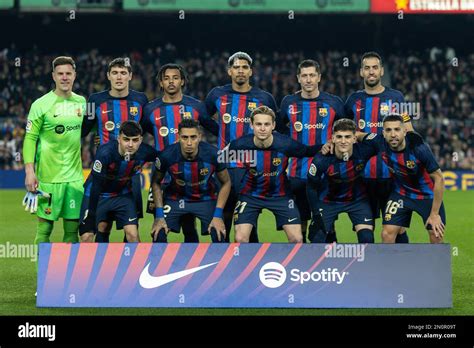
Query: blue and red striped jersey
{"x": 108, "y": 112}
{"x": 161, "y": 119}
{"x": 266, "y": 176}
{"x": 191, "y": 180}
{"x": 310, "y": 123}
{"x": 112, "y": 173}
{"x": 368, "y": 111}
{"x": 410, "y": 167}
{"x": 339, "y": 181}
{"x": 233, "y": 110}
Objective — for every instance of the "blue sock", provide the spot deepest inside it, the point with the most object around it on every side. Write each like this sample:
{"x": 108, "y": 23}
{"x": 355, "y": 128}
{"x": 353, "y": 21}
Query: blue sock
{"x": 365, "y": 236}
{"x": 402, "y": 238}
{"x": 101, "y": 237}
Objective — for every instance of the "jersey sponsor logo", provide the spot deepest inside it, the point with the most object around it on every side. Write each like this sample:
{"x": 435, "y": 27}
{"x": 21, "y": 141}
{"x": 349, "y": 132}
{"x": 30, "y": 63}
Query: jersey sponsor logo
{"x": 180, "y": 182}
{"x": 410, "y": 164}
{"x": 298, "y": 126}
{"x": 323, "y": 112}
{"x": 133, "y": 110}
{"x": 313, "y": 169}
{"x": 109, "y": 125}
{"x": 363, "y": 124}
{"x": 241, "y": 119}
{"x": 226, "y": 118}
{"x": 204, "y": 171}
{"x": 29, "y": 124}
{"x": 59, "y": 129}
{"x": 164, "y": 131}
{"x": 276, "y": 161}
{"x": 252, "y": 106}
{"x": 97, "y": 166}
{"x": 148, "y": 281}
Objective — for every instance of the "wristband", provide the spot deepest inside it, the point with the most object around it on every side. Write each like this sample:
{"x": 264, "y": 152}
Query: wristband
{"x": 218, "y": 212}
{"x": 159, "y": 213}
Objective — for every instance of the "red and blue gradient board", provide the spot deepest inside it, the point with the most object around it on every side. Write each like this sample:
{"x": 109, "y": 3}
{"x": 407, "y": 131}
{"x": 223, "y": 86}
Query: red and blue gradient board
{"x": 274, "y": 275}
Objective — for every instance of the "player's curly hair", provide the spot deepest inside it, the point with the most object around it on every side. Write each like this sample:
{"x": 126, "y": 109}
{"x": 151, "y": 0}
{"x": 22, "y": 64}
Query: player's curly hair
{"x": 182, "y": 73}
{"x": 263, "y": 110}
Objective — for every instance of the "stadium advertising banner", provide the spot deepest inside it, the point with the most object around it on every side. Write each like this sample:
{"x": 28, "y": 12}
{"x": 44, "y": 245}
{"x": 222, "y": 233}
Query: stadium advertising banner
{"x": 250, "y": 5}
{"x": 6, "y": 4}
{"x": 422, "y": 6}
{"x": 244, "y": 275}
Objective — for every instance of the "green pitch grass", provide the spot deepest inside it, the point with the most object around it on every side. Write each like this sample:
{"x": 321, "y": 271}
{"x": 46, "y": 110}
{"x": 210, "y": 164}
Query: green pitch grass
{"x": 18, "y": 276}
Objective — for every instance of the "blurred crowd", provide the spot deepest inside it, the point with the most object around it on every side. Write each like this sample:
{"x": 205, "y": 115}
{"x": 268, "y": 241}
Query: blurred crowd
{"x": 440, "y": 82}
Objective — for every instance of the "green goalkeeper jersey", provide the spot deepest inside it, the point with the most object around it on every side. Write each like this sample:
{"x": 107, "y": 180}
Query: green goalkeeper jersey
{"x": 54, "y": 124}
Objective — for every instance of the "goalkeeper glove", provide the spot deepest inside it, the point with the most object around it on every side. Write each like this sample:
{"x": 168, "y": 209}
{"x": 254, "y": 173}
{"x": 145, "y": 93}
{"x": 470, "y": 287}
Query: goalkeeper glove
{"x": 30, "y": 202}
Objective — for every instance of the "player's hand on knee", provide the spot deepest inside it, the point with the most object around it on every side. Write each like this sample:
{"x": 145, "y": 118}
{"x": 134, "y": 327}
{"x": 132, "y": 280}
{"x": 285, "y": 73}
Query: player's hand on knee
{"x": 158, "y": 225}
{"x": 434, "y": 221}
{"x": 219, "y": 225}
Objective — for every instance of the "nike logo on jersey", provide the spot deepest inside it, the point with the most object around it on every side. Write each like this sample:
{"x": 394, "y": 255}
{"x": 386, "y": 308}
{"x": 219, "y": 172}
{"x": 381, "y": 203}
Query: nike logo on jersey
{"x": 148, "y": 281}
{"x": 56, "y": 115}
{"x": 226, "y": 103}
{"x": 358, "y": 110}
{"x": 106, "y": 111}
{"x": 295, "y": 112}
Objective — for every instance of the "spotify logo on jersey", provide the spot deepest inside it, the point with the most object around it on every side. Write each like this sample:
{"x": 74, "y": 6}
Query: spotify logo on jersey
{"x": 59, "y": 129}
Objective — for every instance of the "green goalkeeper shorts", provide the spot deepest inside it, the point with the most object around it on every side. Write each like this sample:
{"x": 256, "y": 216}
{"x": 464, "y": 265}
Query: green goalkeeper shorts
{"x": 64, "y": 202}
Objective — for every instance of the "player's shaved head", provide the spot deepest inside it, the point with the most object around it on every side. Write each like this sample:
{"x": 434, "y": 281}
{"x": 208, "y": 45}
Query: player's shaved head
{"x": 63, "y": 60}
{"x": 237, "y": 56}
{"x": 393, "y": 118}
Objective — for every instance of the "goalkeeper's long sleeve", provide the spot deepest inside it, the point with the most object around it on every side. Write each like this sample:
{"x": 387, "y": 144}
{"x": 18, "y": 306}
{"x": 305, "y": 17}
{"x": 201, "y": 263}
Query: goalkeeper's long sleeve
{"x": 29, "y": 148}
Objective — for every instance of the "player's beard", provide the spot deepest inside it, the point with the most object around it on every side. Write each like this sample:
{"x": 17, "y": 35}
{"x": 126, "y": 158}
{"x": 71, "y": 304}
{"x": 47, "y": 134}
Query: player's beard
{"x": 241, "y": 81}
{"x": 372, "y": 84}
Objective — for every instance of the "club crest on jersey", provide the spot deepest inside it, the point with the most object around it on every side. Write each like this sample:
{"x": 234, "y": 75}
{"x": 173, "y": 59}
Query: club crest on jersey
{"x": 204, "y": 171}
{"x": 313, "y": 169}
{"x": 359, "y": 167}
{"x": 410, "y": 164}
{"x": 47, "y": 211}
{"x": 226, "y": 118}
{"x": 384, "y": 109}
{"x": 79, "y": 112}
{"x": 361, "y": 124}
{"x": 187, "y": 114}
{"x": 110, "y": 125}
{"x": 133, "y": 110}
{"x": 164, "y": 131}
{"x": 252, "y": 106}
{"x": 323, "y": 112}
{"x": 277, "y": 161}
{"x": 298, "y": 126}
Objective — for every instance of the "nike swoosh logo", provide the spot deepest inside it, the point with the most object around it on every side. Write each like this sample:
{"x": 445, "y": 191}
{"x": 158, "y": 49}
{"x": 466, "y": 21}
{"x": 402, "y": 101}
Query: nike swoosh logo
{"x": 106, "y": 111}
{"x": 131, "y": 219}
{"x": 367, "y": 219}
{"x": 290, "y": 220}
{"x": 148, "y": 281}
{"x": 294, "y": 113}
{"x": 226, "y": 103}
{"x": 56, "y": 115}
{"x": 360, "y": 109}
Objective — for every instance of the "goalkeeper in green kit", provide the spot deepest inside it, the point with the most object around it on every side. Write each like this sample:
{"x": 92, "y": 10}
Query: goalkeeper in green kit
{"x": 52, "y": 155}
